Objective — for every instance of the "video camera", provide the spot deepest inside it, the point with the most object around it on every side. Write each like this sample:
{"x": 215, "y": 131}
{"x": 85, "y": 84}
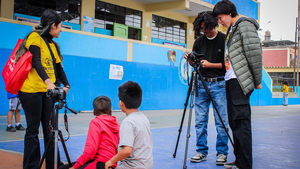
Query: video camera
{"x": 57, "y": 94}
{"x": 195, "y": 57}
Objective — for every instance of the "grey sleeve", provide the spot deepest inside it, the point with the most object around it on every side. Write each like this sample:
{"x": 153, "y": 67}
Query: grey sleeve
{"x": 252, "y": 50}
{"x": 126, "y": 134}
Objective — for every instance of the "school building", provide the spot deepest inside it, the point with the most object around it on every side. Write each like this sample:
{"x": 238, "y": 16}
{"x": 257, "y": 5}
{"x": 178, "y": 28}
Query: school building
{"x": 108, "y": 42}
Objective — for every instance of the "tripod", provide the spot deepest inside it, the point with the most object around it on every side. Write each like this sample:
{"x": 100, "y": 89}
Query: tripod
{"x": 191, "y": 90}
{"x": 57, "y": 133}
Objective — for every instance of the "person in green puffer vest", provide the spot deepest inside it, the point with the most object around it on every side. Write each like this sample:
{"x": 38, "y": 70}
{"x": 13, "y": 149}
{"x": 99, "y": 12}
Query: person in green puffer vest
{"x": 243, "y": 61}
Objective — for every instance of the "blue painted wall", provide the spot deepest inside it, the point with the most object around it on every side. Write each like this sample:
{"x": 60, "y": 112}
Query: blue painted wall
{"x": 91, "y": 46}
{"x": 161, "y": 41}
{"x": 103, "y": 31}
{"x": 245, "y": 7}
{"x": 87, "y": 60}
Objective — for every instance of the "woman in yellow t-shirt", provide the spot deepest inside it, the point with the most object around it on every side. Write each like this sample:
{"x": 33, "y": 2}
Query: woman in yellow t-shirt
{"x": 285, "y": 93}
{"x": 46, "y": 73}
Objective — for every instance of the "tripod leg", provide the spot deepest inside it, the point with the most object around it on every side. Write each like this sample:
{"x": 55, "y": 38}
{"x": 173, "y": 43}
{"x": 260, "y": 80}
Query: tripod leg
{"x": 65, "y": 148}
{"x": 45, "y": 152}
{"x": 183, "y": 115}
{"x": 55, "y": 148}
{"x": 214, "y": 105}
{"x": 188, "y": 134}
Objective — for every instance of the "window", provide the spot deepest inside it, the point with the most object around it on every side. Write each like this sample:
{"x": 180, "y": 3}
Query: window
{"x": 168, "y": 29}
{"x": 68, "y": 9}
{"x": 107, "y": 14}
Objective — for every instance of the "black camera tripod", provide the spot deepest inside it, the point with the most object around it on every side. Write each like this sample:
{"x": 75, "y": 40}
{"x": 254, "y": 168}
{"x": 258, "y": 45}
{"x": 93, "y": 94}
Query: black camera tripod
{"x": 191, "y": 91}
{"x": 57, "y": 133}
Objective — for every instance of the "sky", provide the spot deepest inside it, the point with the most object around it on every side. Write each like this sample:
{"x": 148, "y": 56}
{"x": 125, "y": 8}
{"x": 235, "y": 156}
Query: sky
{"x": 279, "y": 17}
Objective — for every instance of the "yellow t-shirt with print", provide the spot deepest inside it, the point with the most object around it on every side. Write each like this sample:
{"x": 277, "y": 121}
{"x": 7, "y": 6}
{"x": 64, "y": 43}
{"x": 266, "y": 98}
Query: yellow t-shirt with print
{"x": 285, "y": 89}
{"x": 34, "y": 82}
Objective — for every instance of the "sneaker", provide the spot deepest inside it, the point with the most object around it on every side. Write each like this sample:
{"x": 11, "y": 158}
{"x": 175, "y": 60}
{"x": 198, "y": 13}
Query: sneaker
{"x": 230, "y": 165}
{"x": 198, "y": 158}
{"x": 20, "y": 127}
{"x": 221, "y": 159}
{"x": 11, "y": 129}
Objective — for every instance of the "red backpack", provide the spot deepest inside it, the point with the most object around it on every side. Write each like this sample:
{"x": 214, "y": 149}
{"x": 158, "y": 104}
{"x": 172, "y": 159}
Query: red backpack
{"x": 14, "y": 74}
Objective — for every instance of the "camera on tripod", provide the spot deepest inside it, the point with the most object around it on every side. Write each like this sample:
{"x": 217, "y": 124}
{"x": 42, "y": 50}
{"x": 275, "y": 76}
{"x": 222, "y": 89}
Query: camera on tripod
{"x": 57, "y": 94}
{"x": 195, "y": 57}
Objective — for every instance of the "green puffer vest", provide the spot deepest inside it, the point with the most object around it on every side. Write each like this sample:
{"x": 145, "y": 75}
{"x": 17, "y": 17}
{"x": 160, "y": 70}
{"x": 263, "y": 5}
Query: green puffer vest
{"x": 245, "y": 53}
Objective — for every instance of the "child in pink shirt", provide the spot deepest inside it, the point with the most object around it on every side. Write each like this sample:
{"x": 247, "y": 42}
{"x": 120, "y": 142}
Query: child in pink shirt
{"x": 102, "y": 139}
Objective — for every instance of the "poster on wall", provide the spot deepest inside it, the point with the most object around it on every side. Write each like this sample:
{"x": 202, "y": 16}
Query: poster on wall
{"x": 116, "y": 72}
{"x": 88, "y": 24}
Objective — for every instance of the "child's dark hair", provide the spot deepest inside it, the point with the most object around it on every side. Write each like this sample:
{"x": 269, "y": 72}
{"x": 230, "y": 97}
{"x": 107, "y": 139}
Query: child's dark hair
{"x": 225, "y": 7}
{"x": 210, "y": 22}
{"x": 130, "y": 93}
{"x": 102, "y": 105}
{"x": 285, "y": 83}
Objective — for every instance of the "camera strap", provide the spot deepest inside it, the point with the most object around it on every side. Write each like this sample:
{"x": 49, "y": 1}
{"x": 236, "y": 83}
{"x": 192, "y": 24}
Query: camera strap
{"x": 66, "y": 124}
{"x": 52, "y": 56}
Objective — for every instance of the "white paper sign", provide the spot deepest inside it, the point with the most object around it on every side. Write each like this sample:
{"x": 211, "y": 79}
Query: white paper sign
{"x": 115, "y": 72}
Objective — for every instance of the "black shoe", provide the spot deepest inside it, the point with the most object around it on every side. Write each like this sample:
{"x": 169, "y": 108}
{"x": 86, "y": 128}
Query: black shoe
{"x": 11, "y": 129}
{"x": 20, "y": 127}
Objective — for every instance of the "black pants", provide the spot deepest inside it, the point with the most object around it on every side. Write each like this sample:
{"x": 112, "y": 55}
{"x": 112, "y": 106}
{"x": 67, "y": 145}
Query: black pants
{"x": 239, "y": 117}
{"x": 38, "y": 109}
{"x": 100, "y": 165}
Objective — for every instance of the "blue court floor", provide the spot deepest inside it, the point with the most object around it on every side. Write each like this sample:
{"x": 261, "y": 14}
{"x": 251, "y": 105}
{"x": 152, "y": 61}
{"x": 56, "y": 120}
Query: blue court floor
{"x": 276, "y": 135}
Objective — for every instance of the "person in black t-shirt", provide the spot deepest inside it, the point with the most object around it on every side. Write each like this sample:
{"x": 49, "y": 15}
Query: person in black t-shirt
{"x": 211, "y": 44}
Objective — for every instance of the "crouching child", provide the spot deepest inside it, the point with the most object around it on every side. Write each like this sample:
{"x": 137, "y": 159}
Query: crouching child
{"x": 102, "y": 139}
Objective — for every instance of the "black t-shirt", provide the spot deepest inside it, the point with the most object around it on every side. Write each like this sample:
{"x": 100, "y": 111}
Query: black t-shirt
{"x": 213, "y": 51}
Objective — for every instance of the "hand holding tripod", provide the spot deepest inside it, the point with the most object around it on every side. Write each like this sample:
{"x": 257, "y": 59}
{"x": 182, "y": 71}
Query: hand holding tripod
{"x": 193, "y": 88}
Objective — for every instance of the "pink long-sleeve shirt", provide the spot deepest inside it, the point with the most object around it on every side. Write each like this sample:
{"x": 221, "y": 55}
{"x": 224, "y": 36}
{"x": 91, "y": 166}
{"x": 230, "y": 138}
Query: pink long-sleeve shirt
{"x": 101, "y": 142}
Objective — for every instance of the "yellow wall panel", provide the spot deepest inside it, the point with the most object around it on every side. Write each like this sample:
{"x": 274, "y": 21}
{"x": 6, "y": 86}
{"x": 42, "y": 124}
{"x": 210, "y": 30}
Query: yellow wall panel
{"x": 7, "y": 9}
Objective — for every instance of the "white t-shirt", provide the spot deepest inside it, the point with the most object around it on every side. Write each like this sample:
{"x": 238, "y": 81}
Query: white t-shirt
{"x": 229, "y": 71}
{"x": 135, "y": 132}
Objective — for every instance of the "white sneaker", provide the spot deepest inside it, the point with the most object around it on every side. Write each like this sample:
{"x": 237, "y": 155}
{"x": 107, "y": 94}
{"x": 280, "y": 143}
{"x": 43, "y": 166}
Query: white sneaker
{"x": 198, "y": 158}
{"x": 230, "y": 165}
{"x": 221, "y": 159}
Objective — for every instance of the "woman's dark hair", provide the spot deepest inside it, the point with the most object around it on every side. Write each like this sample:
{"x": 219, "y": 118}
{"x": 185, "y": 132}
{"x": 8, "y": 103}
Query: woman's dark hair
{"x": 130, "y": 93}
{"x": 210, "y": 22}
{"x": 225, "y": 7}
{"x": 102, "y": 105}
{"x": 49, "y": 17}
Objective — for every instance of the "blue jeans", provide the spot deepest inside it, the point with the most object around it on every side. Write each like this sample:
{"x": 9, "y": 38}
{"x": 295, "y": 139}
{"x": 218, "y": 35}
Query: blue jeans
{"x": 285, "y": 98}
{"x": 202, "y": 103}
